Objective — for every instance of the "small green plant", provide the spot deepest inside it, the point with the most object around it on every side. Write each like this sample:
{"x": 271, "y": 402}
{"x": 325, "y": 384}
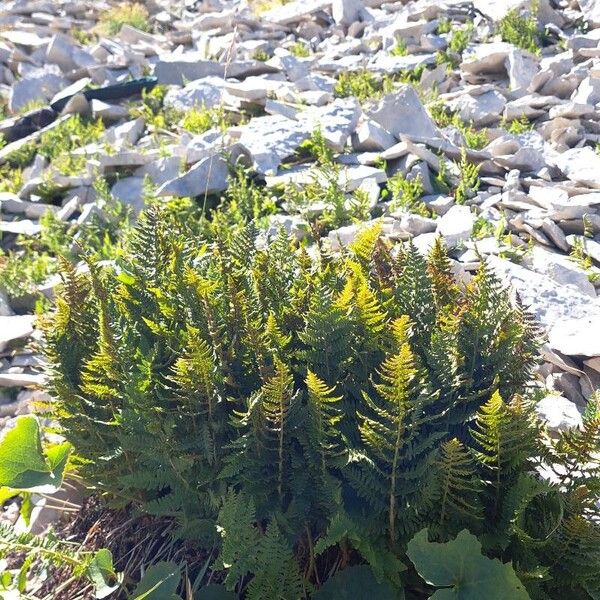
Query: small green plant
{"x": 517, "y": 126}
{"x": 444, "y": 117}
{"x": 261, "y": 55}
{"x": 461, "y": 38}
{"x": 521, "y": 29}
{"x": 363, "y": 85}
{"x": 201, "y": 119}
{"x": 11, "y": 179}
{"x": 299, "y": 50}
{"x": 482, "y": 228}
{"x": 126, "y": 13}
{"x": 85, "y": 38}
{"x": 400, "y": 48}
{"x": 444, "y": 26}
{"x": 468, "y": 179}
{"x": 406, "y": 194}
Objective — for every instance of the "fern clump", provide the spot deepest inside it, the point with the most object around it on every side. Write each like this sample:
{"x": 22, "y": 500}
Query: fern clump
{"x": 305, "y": 412}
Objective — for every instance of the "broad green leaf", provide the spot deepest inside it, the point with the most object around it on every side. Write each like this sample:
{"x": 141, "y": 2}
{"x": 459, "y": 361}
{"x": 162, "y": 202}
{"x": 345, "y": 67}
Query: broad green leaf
{"x": 459, "y": 566}
{"x": 23, "y": 465}
{"x": 159, "y": 582}
{"x": 101, "y": 573}
{"x": 214, "y": 592}
{"x": 356, "y": 583}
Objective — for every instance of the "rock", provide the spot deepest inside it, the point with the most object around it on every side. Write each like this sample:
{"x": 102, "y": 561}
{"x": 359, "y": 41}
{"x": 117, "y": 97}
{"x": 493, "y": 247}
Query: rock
{"x": 108, "y": 112}
{"x": 175, "y": 69}
{"x": 207, "y": 92}
{"x": 568, "y": 384}
{"x": 295, "y": 11}
{"x": 559, "y": 268}
{"x": 588, "y": 91}
{"x": 21, "y": 379}
{"x": 39, "y": 84}
{"x": 208, "y": 176}
{"x": 402, "y": 113}
{"x": 581, "y": 165}
{"x": 129, "y": 191}
{"x": 270, "y": 139}
{"x": 342, "y": 237}
{"x": 125, "y": 134}
{"x": 346, "y": 12}
{"x": 162, "y": 170}
{"x": 456, "y": 225}
{"x": 591, "y": 10}
{"x": 558, "y": 413}
{"x": 571, "y": 318}
{"x": 14, "y": 328}
{"x": 63, "y": 52}
{"x": 487, "y": 59}
{"x": 5, "y": 309}
{"x": 371, "y": 137}
{"x": 522, "y": 67}
{"x": 337, "y": 121}
{"x": 484, "y": 109}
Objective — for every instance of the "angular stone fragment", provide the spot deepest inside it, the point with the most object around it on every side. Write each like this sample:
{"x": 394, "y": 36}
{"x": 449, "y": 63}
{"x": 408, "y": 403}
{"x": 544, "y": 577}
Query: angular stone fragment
{"x": 13, "y": 328}
{"x": 208, "y": 176}
{"x": 581, "y": 165}
{"x": 456, "y": 225}
{"x": 271, "y": 139}
{"x": 558, "y": 413}
{"x": 402, "y": 113}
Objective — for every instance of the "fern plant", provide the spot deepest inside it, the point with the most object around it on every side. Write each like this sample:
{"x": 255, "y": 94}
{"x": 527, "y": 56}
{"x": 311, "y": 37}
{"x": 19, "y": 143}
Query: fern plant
{"x": 308, "y": 412}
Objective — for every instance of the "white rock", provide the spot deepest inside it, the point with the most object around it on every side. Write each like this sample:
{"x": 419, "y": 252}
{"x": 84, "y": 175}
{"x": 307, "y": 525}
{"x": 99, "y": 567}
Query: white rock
{"x": 295, "y": 11}
{"x": 371, "y": 137}
{"x": 571, "y": 110}
{"x": 208, "y": 176}
{"x": 484, "y": 109}
{"x": 161, "y": 170}
{"x": 270, "y": 140}
{"x": 487, "y": 58}
{"x": 337, "y": 121}
{"x": 110, "y": 112}
{"x": 125, "y": 134}
{"x": 456, "y": 225}
{"x": 558, "y": 413}
{"x": 588, "y": 91}
{"x": 174, "y": 69}
{"x": 63, "y": 52}
{"x": 129, "y": 191}
{"x": 207, "y": 92}
{"x": 581, "y": 165}
{"x": 346, "y": 12}
{"x": 343, "y": 236}
{"x": 13, "y": 328}
{"x": 559, "y": 268}
{"x": 5, "y": 309}
{"x": 39, "y": 84}
{"x": 571, "y": 319}
{"x": 402, "y": 113}
{"x": 591, "y": 11}
{"x": 522, "y": 67}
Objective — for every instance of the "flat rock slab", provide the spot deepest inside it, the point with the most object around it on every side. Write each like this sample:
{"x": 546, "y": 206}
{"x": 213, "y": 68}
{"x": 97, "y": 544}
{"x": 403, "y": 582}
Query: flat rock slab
{"x": 208, "y": 176}
{"x": 13, "y": 328}
{"x": 402, "y": 113}
{"x": 571, "y": 319}
{"x": 581, "y": 165}
{"x": 271, "y": 139}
